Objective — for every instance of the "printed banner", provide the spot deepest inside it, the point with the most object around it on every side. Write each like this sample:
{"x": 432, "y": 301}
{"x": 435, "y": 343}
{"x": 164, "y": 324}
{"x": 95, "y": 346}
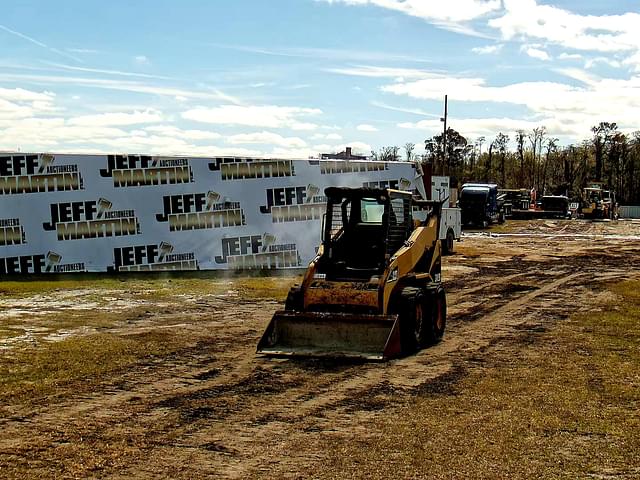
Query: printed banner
{"x": 122, "y": 213}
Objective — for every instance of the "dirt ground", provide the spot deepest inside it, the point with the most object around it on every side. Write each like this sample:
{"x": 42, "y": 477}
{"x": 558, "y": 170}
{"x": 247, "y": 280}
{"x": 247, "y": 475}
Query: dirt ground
{"x": 213, "y": 408}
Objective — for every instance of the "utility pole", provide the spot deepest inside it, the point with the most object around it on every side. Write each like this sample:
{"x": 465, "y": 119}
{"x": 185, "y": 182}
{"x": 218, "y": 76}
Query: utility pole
{"x": 444, "y": 136}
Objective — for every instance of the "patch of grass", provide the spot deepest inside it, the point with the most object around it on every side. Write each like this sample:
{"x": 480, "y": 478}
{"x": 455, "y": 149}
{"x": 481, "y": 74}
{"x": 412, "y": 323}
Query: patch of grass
{"x": 31, "y": 374}
{"x": 508, "y": 226}
{"x": 10, "y": 332}
{"x": 271, "y": 287}
{"x": 153, "y": 287}
{"x": 565, "y": 406}
{"x": 469, "y": 250}
{"x": 27, "y": 287}
{"x": 60, "y": 320}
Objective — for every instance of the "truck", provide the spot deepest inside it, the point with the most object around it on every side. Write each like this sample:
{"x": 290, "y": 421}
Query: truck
{"x": 481, "y": 204}
{"x": 438, "y": 188}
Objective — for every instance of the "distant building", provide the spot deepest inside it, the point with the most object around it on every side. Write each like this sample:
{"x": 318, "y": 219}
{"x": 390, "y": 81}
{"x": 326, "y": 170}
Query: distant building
{"x": 346, "y": 155}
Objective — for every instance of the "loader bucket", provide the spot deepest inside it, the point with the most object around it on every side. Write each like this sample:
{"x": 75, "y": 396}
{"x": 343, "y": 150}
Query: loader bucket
{"x": 320, "y": 334}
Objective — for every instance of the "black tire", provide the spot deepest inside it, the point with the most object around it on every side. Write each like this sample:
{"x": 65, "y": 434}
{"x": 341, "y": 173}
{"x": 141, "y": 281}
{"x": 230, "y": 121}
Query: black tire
{"x": 410, "y": 300}
{"x": 434, "y": 319}
{"x": 295, "y": 299}
{"x": 448, "y": 243}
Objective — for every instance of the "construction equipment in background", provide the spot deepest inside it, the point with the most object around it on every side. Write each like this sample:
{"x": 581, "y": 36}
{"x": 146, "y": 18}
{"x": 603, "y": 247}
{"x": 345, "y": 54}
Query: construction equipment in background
{"x": 555, "y": 206}
{"x": 481, "y": 204}
{"x": 598, "y": 203}
{"x": 515, "y": 200}
{"x": 522, "y": 205}
{"x": 374, "y": 291}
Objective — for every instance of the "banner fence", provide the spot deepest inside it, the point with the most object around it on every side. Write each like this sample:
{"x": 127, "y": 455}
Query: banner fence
{"x": 121, "y": 213}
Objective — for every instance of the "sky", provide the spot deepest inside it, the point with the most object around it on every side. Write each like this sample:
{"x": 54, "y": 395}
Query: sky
{"x": 295, "y": 78}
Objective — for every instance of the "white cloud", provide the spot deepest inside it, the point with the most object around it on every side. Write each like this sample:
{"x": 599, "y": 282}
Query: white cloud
{"x": 366, "y": 128}
{"x": 570, "y": 56}
{"x": 568, "y": 109}
{"x": 172, "y": 131}
{"x": 13, "y": 110}
{"x": 380, "y": 72}
{"x": 537, "y": 53}
{"x": 414, "y": 111}
{"x": 266, "y": 138}
{"x": 121, "y": 85}
{"x": 475, "y": 90}
{"x": 633, "y": 61}
{"x": 55, "y": 133}
{"x": 22, "y": 95}
{"x": 329, "y": 136}
{"x": 34, "y": 132}
{"x": 593, "y": 62}
{"x": 117, "y": 119}
{"x": 450, "y": 11}
{"x": 105, "y": 71}
{"x": 488, "y": 50}
{"x": 254, "y": 116}
{"x": 141, "y": 60}
{"x": 471, "y": 127}
{"x": 294, "y": 153}
{"x": 526, "y": 19}
{"x": 83, "y": 50}
{"x": 21, "y": 103}
{"x": 335, "y": 54}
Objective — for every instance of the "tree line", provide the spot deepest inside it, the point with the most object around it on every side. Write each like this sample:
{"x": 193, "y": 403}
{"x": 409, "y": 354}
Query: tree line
{"x": 538, "y": 161}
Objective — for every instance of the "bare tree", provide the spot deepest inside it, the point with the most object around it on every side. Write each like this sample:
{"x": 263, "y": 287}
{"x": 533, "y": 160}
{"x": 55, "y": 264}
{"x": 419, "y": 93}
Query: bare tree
{"x": 488, "y": 165}
{"x": 502, "y": 142}
{"x": 388, "y": 154}
{"x": 552, "y": 147}
{"x": 408, "y": 150}
{"x": 601, "y": 136}
{"x": 536, "y": 138}
{"x": 520, "y": 136}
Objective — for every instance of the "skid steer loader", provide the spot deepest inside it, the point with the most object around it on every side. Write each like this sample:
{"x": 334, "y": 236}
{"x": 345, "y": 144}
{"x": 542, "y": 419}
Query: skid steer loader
{"x": 374, "y": 289}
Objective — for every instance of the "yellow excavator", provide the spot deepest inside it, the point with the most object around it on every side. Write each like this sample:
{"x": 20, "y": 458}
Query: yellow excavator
{"x": 374, "y": 289}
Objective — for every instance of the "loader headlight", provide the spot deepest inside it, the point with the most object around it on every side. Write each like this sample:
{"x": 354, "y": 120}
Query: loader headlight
{"x": 393, "y": 276}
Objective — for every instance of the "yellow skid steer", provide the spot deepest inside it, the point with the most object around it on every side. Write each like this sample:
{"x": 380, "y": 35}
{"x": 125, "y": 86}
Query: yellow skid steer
{"x": 374, "y": 289}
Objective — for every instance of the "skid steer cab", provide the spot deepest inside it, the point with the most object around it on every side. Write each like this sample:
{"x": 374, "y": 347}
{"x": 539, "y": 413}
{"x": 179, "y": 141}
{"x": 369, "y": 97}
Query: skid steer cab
{"x": 374, "y": 289}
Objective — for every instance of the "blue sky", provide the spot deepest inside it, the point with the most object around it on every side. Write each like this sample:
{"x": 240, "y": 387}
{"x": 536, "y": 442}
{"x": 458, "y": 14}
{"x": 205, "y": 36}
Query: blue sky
{"x": 294, "y": 78}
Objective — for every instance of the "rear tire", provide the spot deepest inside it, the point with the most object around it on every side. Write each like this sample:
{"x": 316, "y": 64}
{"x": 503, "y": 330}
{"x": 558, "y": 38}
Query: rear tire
{"x": 448, "y": 243}
{"x": 435, "y": 318}
{"x": 423, "y": 317}
{"x": 411, "y": 314}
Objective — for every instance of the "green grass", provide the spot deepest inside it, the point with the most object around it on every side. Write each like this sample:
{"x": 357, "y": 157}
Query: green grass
{"x": 10, "y": 332}
{"x": 152, "y": 287}
{"x": 566, "y": 405}
{"x": 31, "y": 374}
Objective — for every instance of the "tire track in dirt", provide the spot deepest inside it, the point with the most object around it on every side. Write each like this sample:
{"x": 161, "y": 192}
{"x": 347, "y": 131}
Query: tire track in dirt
{"x": 241, "y": 433}
{"x": 325, "y": 399}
